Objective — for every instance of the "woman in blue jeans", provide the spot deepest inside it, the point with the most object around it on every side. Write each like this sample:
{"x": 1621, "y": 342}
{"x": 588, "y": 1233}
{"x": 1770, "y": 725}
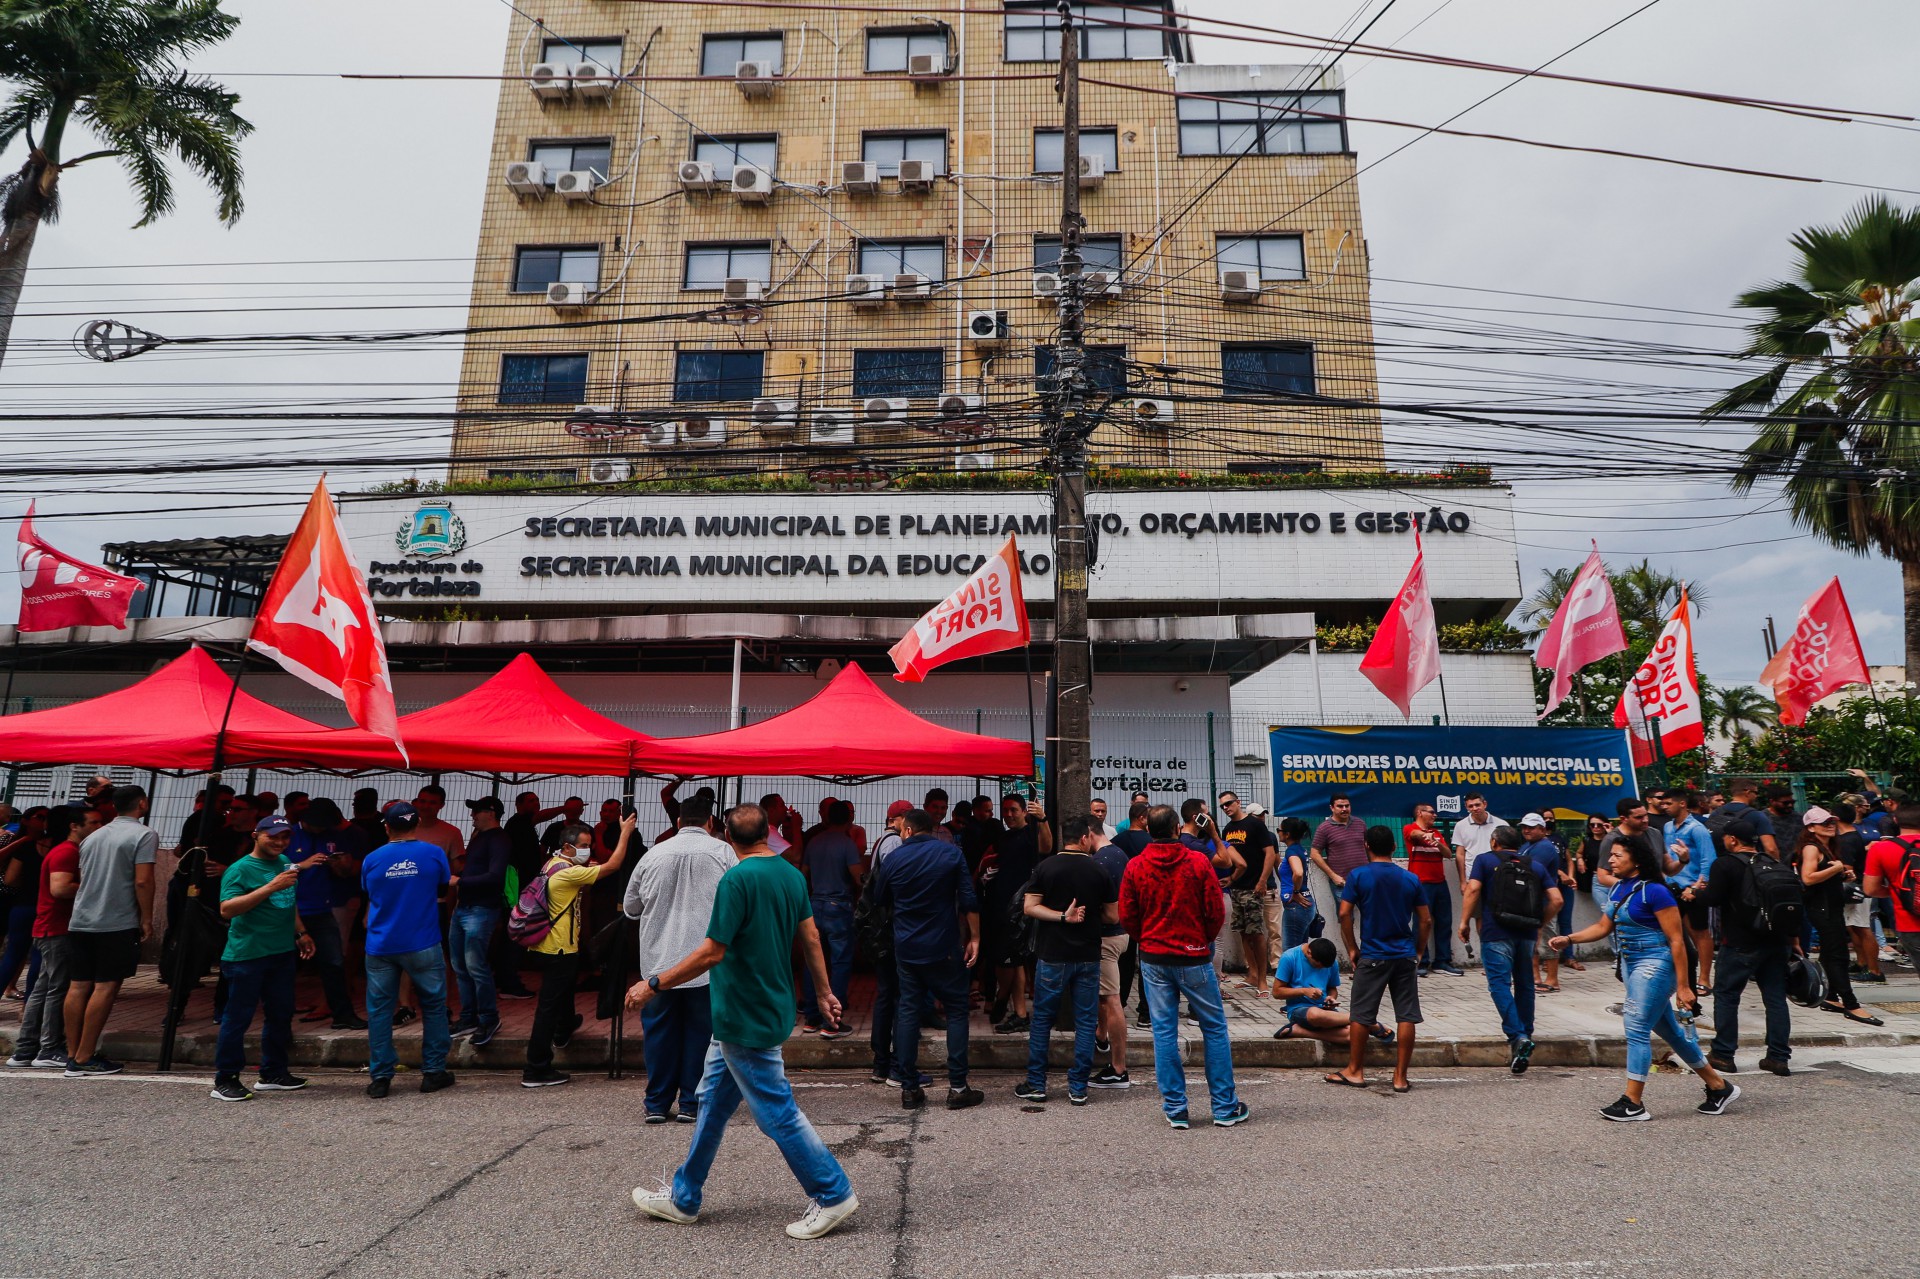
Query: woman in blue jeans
{"x": 1644, "y": 919}
{"x": 1290, "y": 887}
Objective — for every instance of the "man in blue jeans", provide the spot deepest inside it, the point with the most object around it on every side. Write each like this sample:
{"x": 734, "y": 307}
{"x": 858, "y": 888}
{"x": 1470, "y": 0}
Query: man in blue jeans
{"x": 476, "y": 910}
{"x": 1170, "y": 900}
{"x": 759, "y": 909}
{"x": 404, "y": 880}
{"x": 833, "y": 865}
{"x": 1073, "y": 898}
{"x": 322, "y": 829}
{"x": 264, "y": 933}
{"x": 1505, "y": 948}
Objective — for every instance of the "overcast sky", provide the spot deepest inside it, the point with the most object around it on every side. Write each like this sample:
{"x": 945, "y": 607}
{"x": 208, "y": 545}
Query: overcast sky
{"x": 368, "y": 192}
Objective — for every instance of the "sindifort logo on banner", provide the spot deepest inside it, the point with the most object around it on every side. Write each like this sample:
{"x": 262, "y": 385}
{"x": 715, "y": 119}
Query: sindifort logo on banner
{"x": 433, "y": 529}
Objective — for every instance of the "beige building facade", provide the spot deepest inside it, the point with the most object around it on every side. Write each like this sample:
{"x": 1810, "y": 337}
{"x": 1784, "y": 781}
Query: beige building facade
{"x": 797, "y": 237}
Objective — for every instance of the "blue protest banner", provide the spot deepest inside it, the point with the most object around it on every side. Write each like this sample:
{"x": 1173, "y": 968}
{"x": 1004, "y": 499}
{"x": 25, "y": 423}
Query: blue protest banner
{"x": 1389, "y": 769}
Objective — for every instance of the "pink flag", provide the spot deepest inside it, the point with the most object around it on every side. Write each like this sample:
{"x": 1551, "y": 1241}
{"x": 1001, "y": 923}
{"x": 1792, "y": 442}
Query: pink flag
{"x": 58, "y": 591}
{"x": 1665, "y": 688}
{"x": 1822, "y": 655}
{"x": 1405, "y": 654}
{"x": 1585, "y": 628}
{"x": 985, "y": 614}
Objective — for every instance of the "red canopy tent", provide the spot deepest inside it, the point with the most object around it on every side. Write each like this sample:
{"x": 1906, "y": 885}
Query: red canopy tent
{"x": 849, "y": 729}
{"x": 168, "y": 721}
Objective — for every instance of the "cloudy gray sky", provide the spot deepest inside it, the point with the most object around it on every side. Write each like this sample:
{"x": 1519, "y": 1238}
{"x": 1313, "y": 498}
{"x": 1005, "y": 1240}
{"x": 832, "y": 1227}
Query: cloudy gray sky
{"x": 366, "y": 193}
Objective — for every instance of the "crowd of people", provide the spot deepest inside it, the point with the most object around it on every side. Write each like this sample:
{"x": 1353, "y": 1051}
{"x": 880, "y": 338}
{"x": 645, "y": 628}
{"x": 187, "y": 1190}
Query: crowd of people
{"x": 744, "y": 922}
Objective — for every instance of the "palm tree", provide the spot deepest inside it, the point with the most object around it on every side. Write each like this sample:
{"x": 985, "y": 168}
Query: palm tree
{"x": 1839, "y": 402}
{"x": 115, "y": 66}
{"x": 1738, "y": 709}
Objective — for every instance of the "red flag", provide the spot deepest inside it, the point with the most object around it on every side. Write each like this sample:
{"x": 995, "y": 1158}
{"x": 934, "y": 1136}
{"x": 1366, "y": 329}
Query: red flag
{"x": 1585, "y": 628}
{"x": 1665, "y": 687}
{"x": 58, "y": 591}
{"x": 316, "y": 619}
{"x": 986, "y": 614}
{"x": 1822, "y": 655}
{"x": 1405, "y": 654}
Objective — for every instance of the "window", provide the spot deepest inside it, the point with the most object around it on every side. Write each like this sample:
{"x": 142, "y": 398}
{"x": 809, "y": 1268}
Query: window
{"x": 605, "y": 53}
{"x": 595, "y": 154}
{"x": 537, "y": 476}
{"x": 1271, "y": 257}
{"x": 897, "y": 257}
{"x": 1097, "y": 253}
{"x": 720, "y": 54}
{"x": 1106, "y": 367}
{"x": 724, "y": 153}
{"x": 710, "y": 266}
{"x": 1263, "y": 124}
{"x": 889, "y": 50}
{"x": 1033, "y": 32}
{"x": 910, "y": 372}
{"x": 1048, "y": 143}
{"x": 888, "y": 149}
{"x": 543, "y": 379}
{"x": 535, "y": 268}
{"x": 1266, "y": 368}
{"x": 717, "y": 375}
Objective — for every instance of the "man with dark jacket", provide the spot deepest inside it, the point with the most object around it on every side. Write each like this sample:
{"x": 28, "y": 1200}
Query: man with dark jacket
{"x": 1749, "y": 953}
{"x": 936, "y": 938}
{"x": 1170, "y": 902}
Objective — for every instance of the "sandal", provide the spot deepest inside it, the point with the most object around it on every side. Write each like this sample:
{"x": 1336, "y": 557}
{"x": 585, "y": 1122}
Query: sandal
{"x": 1404, "y": 1089}
{"x": 1702, "y": 990}
{"x": 1541, "y": 988}
{"x": 1575, "y": 964}
{"x": 1285, "y": 1032}
{"x": 1382, "y": 1034}
{"x": 1337, "y": 1078}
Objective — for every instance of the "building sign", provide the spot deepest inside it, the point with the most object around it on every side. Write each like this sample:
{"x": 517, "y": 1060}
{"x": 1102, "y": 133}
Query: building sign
{"x": 1385, "y": 771}
{"x": 911, "y": 548}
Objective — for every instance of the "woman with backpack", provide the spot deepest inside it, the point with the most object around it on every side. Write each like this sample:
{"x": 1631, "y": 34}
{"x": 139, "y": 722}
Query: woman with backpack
{"x": 548, "y": 921}
{"x": 1644, "y": 919}
{"x": 1827, "y": 878}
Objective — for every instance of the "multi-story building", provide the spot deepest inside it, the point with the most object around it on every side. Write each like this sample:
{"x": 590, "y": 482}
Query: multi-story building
{"x": 788, "y": 236}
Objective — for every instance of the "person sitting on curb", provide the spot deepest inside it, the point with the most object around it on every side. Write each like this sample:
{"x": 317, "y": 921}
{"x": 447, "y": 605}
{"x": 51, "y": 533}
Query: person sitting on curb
{"x": 1308, "y": 979}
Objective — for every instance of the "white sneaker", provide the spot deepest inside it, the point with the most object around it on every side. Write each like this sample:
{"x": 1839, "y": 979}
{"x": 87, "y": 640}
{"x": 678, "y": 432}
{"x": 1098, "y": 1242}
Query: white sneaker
{"x": 821, "y": 1219}
{"x": 49, "y": 1063}
{"x": 659, "y": 1203}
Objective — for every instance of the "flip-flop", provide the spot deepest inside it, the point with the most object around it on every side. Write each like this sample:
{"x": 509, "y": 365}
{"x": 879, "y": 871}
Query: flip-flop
{"x": 1337, "y": 1078}
{"x": 1403, "y": 1089}
{"x": 1285, "y": 1032}
{"x": 1382, "y": 1034}
{"x": 1541, "y": 988}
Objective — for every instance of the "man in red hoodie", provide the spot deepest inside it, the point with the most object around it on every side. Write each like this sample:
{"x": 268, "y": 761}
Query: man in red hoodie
{"x": 1170, "y": 902}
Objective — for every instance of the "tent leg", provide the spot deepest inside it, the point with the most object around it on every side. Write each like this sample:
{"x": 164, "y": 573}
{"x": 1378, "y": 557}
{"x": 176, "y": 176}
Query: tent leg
{"x": 616, "y": 1040}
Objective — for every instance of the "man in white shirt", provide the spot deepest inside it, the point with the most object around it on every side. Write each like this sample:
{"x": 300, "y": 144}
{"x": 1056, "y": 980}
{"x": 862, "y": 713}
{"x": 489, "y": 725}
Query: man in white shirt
{"x": 1099, "y": 807}
{"x": 671, "y": 894}
{"x": 1473, "y": 834}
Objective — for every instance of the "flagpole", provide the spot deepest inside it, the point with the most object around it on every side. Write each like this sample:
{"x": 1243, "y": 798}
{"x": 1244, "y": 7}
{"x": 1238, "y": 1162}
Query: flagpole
{"x": 1033, "y": 740}
{"x": 1440, "y": 674}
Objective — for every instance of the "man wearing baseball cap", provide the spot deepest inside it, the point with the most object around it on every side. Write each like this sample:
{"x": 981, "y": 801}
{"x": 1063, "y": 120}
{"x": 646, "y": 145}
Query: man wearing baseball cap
{"x": 404, "y": 880}
{"x": 476, "y": 912}
{"x": 264, "y": 933}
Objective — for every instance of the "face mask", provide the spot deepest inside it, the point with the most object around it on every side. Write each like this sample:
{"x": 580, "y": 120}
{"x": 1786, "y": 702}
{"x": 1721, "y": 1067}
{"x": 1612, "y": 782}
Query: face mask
{"x": 581, "y": 856}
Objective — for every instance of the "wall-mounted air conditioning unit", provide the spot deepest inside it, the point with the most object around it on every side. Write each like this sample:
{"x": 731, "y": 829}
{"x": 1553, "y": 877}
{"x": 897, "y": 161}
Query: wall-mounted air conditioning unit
{"x": 1046, "y": 284}
{"x": 1101, "y": 284}
{"x": 549, "y": 80}
{"x": 776, "y": 419}
{"x": 926, "y": 68}
{"x": 973, "y": 461}
{"x": 565, "y": 295}
{"x": 1093, "y": 171}
{"x": 527, "y": 177}
{"x": 754, "y": 79}
{"x": 911, "y": 286}
{"x": 593, "y": 422}
{"x": 1239, "y": 286}
{"x": 988, "y": 328}
{"x": 1153, "y": 412}
{"x": 960, "y": 405}
{"x": 917, "y": 175}
{"x": 860, "y": 177}
{"x": 752, "y": 185}
{"x": 703, "y": 432}
{"x": 697, "y": 175}
{"x": 609, "y": 470}
{"x": 884, "y": 409}
{"x": 658, "y": 435}
{"x": 867, "y": 290}
{"x": 575, "y": 184}
{"x": 831, "y": 430}
{"x": 739, "y": 288}
{"x": 592, "y": 82}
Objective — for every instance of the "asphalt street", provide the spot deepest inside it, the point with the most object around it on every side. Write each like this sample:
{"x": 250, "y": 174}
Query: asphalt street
{"x": 1475, "y": 1173}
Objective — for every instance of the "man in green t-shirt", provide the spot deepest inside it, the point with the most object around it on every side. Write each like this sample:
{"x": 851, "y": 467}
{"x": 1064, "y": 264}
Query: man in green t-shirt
{"x": 758, "y": 908}
{"x": 264, "y": 933}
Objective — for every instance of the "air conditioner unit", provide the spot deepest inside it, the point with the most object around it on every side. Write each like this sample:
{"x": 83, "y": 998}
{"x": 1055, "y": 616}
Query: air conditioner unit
{"x": 738, "y": 288}
{"x": 609, "y": 470}
{"x": 927, "y": 67}
{"x": 592, "y": 82}
{"x": 885, "y": 409}
{"x": 1093, "y": 171}
{"x": 564, "y": 295}
{"x": 960, "y": 405}
{"x": 549, "y": 80}
{"x": 1239, "y": 286}
{"x": 527, "y": 177}
{"x": 575, "y": 184}
{"x": 1046, "y": 285}
{"x": 911, "y": 286}
{"x": 867, "y": 290}
{"x": 752, "y": 185}
{"x": 1153, "y": 412}
{"x": 973, "y": 461}
{"x": 1102, "y": 284}
{"x": 754, "y": 79}
{"x": 988, "y": 327}
{"x": 831, "y": 430}
{"x": 697, "y": 175}
{"x": 703, "y": 432}
{"x": 658, "y": 435}
{"x": 593, "y": 422}
{"x": 917, "y": 175}
{"x": 861, "y": 177}
{"x": 776, "y": 419}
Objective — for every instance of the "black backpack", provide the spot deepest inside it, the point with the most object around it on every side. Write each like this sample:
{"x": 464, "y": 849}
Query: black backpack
{"x": 873, "y": 922}
{"x": 1516, "y": 899}
{"x": 1773, "y": 896}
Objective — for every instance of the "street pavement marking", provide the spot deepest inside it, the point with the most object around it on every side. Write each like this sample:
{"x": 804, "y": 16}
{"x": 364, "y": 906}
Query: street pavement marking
{"x": 1412, "y": 1272}
{"x": 201, "y": 1081}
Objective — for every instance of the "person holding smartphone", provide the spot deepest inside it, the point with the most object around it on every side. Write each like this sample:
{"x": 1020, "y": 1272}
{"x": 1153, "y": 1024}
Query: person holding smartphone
{"x": 259, "y": 901}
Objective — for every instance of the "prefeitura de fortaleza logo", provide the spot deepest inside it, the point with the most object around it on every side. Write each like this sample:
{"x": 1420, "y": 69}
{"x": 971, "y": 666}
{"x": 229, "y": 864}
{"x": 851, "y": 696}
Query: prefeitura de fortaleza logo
{"x": 433, "y": 529}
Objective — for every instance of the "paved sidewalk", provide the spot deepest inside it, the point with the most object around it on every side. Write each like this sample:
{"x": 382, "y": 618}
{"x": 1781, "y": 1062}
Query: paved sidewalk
{"x": 1572, "y": 1028}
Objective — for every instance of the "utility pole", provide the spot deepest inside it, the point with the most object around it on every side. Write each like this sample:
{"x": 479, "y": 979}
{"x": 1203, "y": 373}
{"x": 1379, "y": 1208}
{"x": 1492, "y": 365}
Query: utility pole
{"x": 1067, "y": 428}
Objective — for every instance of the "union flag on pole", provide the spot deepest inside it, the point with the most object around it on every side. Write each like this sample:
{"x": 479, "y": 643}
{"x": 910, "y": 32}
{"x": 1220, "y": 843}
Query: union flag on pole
{"x": 1405, "y": 654}
{"x": 986, "y": 614}
{"x": 1585, "y": 628}
{"x": 1822, "y": 656}
{"x": 58, "y": 591}
{"x": 316, "y": 619}
{"x": 1665, "y": 688}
